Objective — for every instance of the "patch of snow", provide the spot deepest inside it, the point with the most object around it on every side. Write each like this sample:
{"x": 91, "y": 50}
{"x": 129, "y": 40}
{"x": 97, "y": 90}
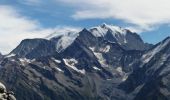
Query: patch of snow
{"x": 101, "y": 59}
{"x": 21, "y": 60}
{"x": 125, "y": 77}
{"x": 13, "y": 60}
{"x": 106, "y": 49}
{"x": 25, "y": 60}
{"x": 92, "y": 48}
{"x": 119, "y": 69}
{"x": 125, "y": 41}
{"x": 96, "y": 68}
{"x": 109, "y": 79}
{"x": 44, "y": 67}
{"x": 59, "y": 69}
{"x": 57, "y": 61}
{"x": 122, "y": 73}
{"x": 99, "y": 56}
{"x": 71, "y": 63}
{"x": 131, "y": 64}
{"x": 11, "y": 55}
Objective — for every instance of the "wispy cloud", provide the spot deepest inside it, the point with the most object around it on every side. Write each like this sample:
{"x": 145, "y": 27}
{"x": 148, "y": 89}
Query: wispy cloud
{"x": 61, "y": 30}
{"x": 15, "y": 27}
{"x": 142, "y": 13}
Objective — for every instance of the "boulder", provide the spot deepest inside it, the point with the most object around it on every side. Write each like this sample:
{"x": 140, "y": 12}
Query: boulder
{"x": 4, "y": 95}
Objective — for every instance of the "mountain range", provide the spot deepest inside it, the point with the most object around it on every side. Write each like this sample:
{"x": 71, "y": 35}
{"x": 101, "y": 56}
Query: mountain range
{"x": 104, "y": 62}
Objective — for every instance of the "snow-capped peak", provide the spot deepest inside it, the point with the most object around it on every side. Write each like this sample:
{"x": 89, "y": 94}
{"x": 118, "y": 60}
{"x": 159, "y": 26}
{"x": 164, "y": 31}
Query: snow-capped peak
{"x": 111, "y": 33}
{"x": 112, "y": 27}
{"x": 63, "y": 33}
{"x": 102, "y": 30}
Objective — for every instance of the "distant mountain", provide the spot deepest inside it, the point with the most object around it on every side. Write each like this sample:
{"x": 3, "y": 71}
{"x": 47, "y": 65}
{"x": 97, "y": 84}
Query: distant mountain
{"x": 105, "y": 62}
{"x": 125, "y": 38}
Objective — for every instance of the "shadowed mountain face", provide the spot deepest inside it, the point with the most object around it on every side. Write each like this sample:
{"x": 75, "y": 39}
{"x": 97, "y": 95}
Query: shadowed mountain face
{"x": 151, "y": 76}
{"x": 102, "y": 63}
{"x": 34, "y": 48}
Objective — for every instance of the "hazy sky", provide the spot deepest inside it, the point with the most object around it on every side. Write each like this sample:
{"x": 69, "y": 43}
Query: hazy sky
{"x": 21, "y": 19}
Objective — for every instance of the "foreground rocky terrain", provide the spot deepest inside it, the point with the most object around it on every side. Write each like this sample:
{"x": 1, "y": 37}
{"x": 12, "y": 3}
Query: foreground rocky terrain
{"x": 101, "y": 63}
{"x": 6, "y": 95}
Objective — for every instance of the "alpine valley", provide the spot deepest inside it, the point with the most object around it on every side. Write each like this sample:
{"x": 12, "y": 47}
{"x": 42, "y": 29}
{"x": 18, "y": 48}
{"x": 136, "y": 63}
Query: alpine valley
{"x": 105, "y": 62}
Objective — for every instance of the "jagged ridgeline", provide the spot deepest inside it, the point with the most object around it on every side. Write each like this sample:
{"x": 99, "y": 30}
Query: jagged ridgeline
{"x": 105, "y": 62}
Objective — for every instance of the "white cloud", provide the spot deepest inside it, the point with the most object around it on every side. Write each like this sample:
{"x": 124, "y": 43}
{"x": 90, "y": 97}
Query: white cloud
{"x": 142, "y": 13}
{"x": 14, "y": 28}
{"x": 60, "y": 30}
{"x": 139, "y": 29}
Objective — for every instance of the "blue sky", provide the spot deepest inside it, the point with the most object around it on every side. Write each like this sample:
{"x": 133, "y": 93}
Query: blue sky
{"x": 38, "y": 18}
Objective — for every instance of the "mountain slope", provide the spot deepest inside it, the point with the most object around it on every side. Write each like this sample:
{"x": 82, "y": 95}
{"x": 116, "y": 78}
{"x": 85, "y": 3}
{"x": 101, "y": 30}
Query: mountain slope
{"x": 125, "y": 38}
{"x": 85, "y": 65}
{"x": 95, "y": 52}
{"x": 151, "y": 75}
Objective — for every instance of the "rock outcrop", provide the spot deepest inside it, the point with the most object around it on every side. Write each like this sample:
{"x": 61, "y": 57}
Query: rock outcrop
{"x": 6, "y": 95}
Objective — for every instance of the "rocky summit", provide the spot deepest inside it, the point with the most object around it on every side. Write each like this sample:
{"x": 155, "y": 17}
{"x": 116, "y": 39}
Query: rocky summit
{"x": 104, "y": 62}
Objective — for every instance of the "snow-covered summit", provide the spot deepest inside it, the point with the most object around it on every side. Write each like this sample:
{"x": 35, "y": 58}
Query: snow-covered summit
{"x": 56, "y": 34}
{"x": 111, "y": 33}
{"x": 97, "y": 31}
{"x": 67, "y": 37}
{"x": 102, "y": 30}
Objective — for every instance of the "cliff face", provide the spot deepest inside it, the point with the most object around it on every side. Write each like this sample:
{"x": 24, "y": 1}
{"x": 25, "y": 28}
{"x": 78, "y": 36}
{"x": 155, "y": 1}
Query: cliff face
{"x": 6, "y": 95}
